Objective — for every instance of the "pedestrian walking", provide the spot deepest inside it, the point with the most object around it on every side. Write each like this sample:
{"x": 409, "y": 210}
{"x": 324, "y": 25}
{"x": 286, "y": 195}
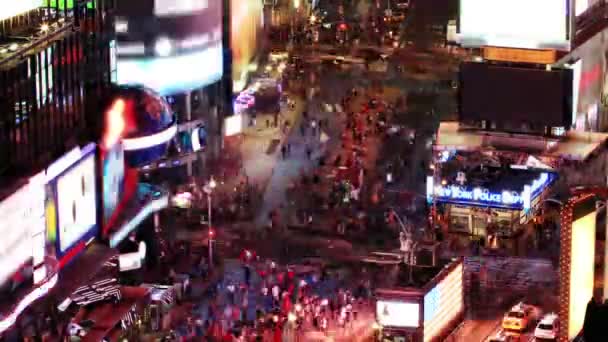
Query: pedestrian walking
{"x": 303, "y": 129}
{"x": 283, "y": 151}
{"x": 308, "y": 152}
{"x": 288, "y": 149}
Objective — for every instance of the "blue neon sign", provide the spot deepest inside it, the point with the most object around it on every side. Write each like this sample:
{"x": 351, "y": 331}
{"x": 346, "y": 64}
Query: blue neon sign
{"x": 482, "y": 195}
{"x": 478, "y": 195}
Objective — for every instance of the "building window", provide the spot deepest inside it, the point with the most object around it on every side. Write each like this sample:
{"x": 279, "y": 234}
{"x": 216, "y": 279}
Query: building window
{"x": 459, "y": 223}
{"x": 479, "y": 225}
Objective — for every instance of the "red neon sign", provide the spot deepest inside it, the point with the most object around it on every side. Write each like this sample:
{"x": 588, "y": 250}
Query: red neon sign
{"x": 590, "y": 77}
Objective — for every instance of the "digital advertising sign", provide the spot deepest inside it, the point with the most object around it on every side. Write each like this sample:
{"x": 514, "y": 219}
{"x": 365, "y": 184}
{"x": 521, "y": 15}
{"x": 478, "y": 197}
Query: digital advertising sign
{"x": 538, "y": 24}
{"x": 397, "y": 314}
{"x": 509, "y": 95}
{"x": 71, "y": 203}
{"x": 169, "y": 46}
{"x": 576, "y": 263}
{"x": 13, "y": 8}
{"x": 168, "y": 8}
{"x": 175, "y": 74}
{"x": 66, "y": 4}
{"x": 247, "y": 20}
{"x": 588, "y": 65}
{"x": 22, "y": 216}
{"x": 113, "y": 177}
{"x": 505, "y": 198}
{"x": 580, "y": 6}
{"x": 142, "y": 120}
{"x": 443, "y": 303}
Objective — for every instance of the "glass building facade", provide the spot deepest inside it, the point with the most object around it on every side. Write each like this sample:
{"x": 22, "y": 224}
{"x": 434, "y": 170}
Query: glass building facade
{"x": 50, "y": 59}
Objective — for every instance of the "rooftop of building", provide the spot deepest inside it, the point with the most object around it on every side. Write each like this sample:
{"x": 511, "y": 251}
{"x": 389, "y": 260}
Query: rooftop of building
{"x": 489, "y": 172}
{"x": 572, "y": 145}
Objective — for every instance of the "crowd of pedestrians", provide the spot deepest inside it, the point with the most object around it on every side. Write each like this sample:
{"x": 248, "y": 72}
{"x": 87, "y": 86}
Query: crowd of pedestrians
{"x": 262, "y": 301}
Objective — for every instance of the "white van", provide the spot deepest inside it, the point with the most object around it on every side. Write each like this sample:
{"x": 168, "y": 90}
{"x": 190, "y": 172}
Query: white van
{"x": 547, "y": 327}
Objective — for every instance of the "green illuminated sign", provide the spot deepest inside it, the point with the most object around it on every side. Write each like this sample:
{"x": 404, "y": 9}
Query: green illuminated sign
{"x": 64, "y": 4}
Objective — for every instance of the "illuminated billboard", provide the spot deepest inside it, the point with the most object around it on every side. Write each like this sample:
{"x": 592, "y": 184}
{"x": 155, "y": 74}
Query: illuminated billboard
{"x": 443, "y": 303}
{"x": 113, "y": 176}
{"x": 22, "y": 219}
{"x": 588, "y": 65}
{"x": 65, "y": 4}
{"x": 169, "y": 46}
{"x": 233, "y": 125}
{"x": 503, "y": 198}
{"x": 71, "y": 202}
{"x": 13, "y": 8}
{"x": 538, "y": 24}
{"x": 508, "y": 96}
{"x": 397, "y": 314}
{"x": 173, "y": 74}
{"x": 580, "y": 6}
{"x": 246, "y": 25}
{"x": 168, "y": 8}
{"x": 576, "y": 263}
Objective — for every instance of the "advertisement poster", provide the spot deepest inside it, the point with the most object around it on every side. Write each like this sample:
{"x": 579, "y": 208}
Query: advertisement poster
{"x": 582, "y": 269}
{"x": 13, "y": 8}
{"x": 515, "y": 24}
{"x": 113, "y": 174}
{"x": 398, "y": 314}
{"x": 171, "y": 47}
{"x": 443, "y": 303}
{"x": 21, "y": 215}
{"x": 247, "y": 19}
{"x": 50, "y": 214}
{"x": 76, "y": 203}
{"x": 71, "y": 204}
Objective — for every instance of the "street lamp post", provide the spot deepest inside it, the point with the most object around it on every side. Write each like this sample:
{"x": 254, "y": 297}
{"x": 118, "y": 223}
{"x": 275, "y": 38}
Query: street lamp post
{"x": 208, "y": 189}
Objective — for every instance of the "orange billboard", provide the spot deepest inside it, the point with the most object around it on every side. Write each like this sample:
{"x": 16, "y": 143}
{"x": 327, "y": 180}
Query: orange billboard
{"x": 519, "y": 55}
{"x": 247, "y": 16}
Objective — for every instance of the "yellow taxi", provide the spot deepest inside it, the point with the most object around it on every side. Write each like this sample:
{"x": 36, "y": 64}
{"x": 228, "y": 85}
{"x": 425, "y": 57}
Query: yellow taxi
{"x": 518, "y": 318}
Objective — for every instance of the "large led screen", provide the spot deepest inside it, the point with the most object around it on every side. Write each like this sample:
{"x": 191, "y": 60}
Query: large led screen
{"x": 13, "y": 8}
{"x": 514, "y": 96}
{"x": 580, "y": 6}
{"x": 246, "y": 24}
{"x": 21, "y": 217}
{"x": 398, "y": 314}
{"x": 71, "y": 201}
{"x": 167, "y": 8}
{"x": 169, "y": 46}
{"x": 66, "y": 4}
{"x": 173, "y": 74}
{"x": 113, "y": 175}
{"x": 538, "y": 24}
{"x": 443, "y": 304}
{"x": 582, "y": 266}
